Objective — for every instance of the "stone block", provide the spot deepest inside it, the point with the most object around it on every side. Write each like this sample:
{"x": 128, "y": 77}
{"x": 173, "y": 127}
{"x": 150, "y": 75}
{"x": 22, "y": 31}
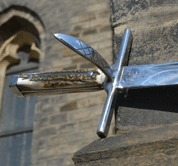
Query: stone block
{"x": 99, "y": 37}
{"x": 60, "y": 118}
{"x": 68, "y": 52}
{"x": 43, "y": 122}
{"x": 105, "y": 28}
{"x": 69, "y": 106}
{"x": 59, "y": 98}
{"x": 89, "y": 32}
{"x": 99, "y": 22}
{"x": 102, "y": 45}
{"x": 98, "y": 7}
{"x": 46, "y": 110}
{"x": 87, "y": 17}
{"x": 46, "y": 153}
{"x": 87, "y": 65}
{"x": 43, "y": 143}
{"x": 77, "y": 136}
{"x": 58, "y": 140}
{"x": 153, "y": 42}
{"x": 89, "y": 123}
{"x": 125, "y": 12}
{"x": 78, "y": 114}
{"x": 69, "y": 127}
{"x": 91, "y": 101}
{"x": 47, "y": 131}
{"x": 61, "y": 63}
{"x": 105, "y": 13}
{"x": 56, "y": 162}
{"x": 77, "y": 59}
{"x": 70, "y": 67}
{"x": 151, "y": 147}
{"x": 75, "y": 33}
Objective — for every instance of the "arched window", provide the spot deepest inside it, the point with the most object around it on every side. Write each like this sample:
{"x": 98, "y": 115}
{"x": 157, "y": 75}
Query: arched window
{"x": 17, "y": 116}
{"x": 19, "y": 53}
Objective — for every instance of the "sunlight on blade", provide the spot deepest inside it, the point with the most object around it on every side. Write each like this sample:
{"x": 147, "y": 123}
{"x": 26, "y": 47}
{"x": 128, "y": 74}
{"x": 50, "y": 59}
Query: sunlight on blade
{"x": 140, "y": 76}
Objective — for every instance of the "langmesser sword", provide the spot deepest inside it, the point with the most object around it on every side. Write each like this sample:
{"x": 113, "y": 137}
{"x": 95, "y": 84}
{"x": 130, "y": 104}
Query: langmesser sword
{"x": 114, "y": 79}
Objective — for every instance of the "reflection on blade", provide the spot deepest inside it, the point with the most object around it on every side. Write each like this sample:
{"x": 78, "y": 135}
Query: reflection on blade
{"x": 140, "y": 76}
{"x": 84, "y": 50}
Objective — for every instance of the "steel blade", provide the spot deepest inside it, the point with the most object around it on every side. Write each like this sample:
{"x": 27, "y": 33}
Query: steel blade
{"x": 143, "y": 76}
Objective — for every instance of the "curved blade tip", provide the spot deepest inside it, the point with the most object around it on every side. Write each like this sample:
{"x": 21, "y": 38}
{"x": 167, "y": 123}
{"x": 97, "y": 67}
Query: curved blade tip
{"x": 57, "y": 35}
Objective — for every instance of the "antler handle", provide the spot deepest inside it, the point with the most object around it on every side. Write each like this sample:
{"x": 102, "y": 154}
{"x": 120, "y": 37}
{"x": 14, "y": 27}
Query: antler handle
{"x": 53, "y": 83}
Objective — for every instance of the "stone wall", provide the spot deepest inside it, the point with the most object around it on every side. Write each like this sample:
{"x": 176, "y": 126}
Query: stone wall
{"x": 150, "y": 147}
{"x": 146, "y": 119}
{"x": 65, "y": 123}
{"x": 154, "y": 25}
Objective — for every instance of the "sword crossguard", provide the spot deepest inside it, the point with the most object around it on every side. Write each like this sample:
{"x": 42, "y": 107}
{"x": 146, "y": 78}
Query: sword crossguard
{"x": 111, "y": 85}
{"x": 113, "y": 72}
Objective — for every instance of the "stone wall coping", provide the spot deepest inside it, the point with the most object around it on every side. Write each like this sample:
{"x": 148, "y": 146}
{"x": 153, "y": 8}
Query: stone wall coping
{"x": 141, "y": 142}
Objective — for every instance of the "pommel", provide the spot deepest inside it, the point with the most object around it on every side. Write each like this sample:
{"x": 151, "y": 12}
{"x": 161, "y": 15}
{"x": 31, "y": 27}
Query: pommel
{"x": 13, "y": 86}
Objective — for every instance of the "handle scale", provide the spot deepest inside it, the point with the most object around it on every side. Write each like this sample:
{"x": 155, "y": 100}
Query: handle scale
{"x": 53, "y": 83}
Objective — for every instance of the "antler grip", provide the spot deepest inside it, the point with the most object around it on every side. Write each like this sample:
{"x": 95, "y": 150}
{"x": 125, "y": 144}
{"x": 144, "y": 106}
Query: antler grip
{"x": 53, "y": 83}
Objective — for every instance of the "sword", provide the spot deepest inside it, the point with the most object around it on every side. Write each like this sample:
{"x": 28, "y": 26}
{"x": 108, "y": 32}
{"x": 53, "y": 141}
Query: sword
{"x": 115, "y": 79}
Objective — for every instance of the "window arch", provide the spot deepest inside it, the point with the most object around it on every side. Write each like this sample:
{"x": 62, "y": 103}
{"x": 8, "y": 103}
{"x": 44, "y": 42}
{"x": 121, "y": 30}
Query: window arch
{"x": 21, "y": 42}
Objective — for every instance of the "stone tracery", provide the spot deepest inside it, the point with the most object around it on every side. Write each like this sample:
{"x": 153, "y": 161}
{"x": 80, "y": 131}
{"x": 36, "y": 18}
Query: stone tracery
{"x": 13, "y": 39}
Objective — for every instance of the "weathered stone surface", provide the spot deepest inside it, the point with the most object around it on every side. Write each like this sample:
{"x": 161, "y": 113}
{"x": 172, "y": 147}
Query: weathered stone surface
{"x": 156, "y": 44}
{"x": 69, "y": 106}
{"x": 145, "y": 11}
{"x": 154, "y": 27}
{"x": 151, "y": 147}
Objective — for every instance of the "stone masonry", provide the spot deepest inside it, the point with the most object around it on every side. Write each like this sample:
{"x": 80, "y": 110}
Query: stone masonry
{"x": 150, "y": 147}
{"x": 64, "y": 124}
{"x": 154, "y": 25}
{"x": 146, "y": 119}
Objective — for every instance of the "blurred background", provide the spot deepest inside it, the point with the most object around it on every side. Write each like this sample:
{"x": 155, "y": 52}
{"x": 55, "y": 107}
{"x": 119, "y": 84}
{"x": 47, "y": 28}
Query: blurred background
{"x": 42, "y": 131}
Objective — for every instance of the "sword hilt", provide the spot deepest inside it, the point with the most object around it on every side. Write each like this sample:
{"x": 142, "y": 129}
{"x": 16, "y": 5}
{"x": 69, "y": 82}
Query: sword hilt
{"x": 53, "y": 83}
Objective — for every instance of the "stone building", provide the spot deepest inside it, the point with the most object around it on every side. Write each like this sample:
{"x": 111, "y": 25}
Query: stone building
{"x": 41, "y": 131}
{"x": 48, "y": 130}
{"x": 146, "y": 119}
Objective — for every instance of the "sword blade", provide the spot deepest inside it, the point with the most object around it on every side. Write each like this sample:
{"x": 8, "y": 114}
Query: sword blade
{"x": 54, "y": 83}
{"x": 153, "y": 75}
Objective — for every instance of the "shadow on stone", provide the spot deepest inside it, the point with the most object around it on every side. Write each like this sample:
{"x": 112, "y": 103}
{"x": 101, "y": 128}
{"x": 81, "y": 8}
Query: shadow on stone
{"x": 162, "y": 99}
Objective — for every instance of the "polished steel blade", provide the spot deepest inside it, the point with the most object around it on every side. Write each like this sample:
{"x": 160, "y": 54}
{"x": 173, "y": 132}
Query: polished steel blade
{"x": 153, "y": 75}
{"x": 85, "y": 51}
